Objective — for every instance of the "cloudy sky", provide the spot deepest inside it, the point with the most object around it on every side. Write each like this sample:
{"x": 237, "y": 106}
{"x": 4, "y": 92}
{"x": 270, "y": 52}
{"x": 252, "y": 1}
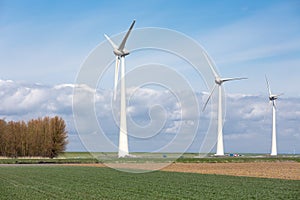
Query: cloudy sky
{"x": 43, "y": 45}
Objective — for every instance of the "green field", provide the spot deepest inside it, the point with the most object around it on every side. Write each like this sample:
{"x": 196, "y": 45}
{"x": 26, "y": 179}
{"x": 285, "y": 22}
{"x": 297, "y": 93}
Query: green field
{"x": 65, "y": 182}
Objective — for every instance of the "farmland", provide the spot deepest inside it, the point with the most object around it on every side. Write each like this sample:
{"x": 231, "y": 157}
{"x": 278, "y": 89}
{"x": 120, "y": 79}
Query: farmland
{"x": 86, "y": 157}
{"x": 79, "y": 175}
{"x": 75, "y": 182}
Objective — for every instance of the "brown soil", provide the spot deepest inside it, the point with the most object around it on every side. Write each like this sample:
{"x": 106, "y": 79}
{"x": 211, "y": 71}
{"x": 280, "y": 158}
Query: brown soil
{"x": 280, "y": 170}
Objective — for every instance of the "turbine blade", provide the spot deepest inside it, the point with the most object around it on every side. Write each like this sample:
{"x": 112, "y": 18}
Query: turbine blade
{"x": 274, "y": 104}
{"x": 111, "y": 42}
{"x": 268, "y": 85}
{"x": 122, "y": 45}
{"x": 280, "y": 94}
{"x": 210, "y": 64}
{"x": 209, "y": 97}
{"x": 276, "y": 95}
{"x": 232, "y": 79}
{"x": 116, "y": 77}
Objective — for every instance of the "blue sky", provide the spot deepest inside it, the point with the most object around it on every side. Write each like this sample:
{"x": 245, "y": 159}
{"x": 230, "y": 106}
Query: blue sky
{"x": 46, "y": 42}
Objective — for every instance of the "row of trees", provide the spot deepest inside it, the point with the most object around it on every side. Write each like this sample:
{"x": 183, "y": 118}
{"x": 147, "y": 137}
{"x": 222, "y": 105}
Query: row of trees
{"x": 44, "y": 137}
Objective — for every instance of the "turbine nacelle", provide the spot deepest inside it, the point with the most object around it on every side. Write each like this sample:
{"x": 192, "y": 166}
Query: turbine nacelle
{"x": 273, "y": 97}
{"x": 121, "y": 53}
{"x": 218, "y": 80}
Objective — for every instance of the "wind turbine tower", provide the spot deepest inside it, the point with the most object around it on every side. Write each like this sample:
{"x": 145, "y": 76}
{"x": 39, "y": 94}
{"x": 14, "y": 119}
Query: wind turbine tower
{"x": 272, "y": 98}
{"x": 120, "y": 53}
{"x": 218, "y": 82}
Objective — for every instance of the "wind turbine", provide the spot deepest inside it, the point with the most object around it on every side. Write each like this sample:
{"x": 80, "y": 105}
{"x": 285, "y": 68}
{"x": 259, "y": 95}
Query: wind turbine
{"x": 218, "y": 82}
{"x": 272, "y": 98}
{"x": 120, "y": 53}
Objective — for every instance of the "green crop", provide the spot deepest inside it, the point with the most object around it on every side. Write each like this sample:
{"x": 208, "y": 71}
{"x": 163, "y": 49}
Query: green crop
{"x": 66, "y": 182}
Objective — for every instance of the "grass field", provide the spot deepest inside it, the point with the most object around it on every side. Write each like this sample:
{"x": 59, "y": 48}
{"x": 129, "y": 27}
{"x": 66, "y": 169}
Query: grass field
{"x": 66, "y": 182}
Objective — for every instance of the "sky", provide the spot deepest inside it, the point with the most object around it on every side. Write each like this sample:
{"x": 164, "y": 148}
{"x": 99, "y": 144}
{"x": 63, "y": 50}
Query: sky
{"x": 43, "y": 45}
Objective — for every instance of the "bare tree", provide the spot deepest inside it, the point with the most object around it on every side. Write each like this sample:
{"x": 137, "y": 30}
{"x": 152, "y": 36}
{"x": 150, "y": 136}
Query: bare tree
{"x": 46, "y": 137}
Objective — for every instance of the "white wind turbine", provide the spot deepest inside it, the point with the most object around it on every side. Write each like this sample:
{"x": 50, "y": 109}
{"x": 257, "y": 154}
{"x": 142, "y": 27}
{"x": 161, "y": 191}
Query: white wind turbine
{"x": 272, "y": 98}
{"x": 218, "y": 82}
{"x": 120, "y": 53}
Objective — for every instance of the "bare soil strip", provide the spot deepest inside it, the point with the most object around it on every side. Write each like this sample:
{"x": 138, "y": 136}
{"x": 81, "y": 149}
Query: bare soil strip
{"x": 279, "y": 170}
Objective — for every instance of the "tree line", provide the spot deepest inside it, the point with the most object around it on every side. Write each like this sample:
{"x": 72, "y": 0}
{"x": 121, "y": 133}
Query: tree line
{"x": 43, "y": 137}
